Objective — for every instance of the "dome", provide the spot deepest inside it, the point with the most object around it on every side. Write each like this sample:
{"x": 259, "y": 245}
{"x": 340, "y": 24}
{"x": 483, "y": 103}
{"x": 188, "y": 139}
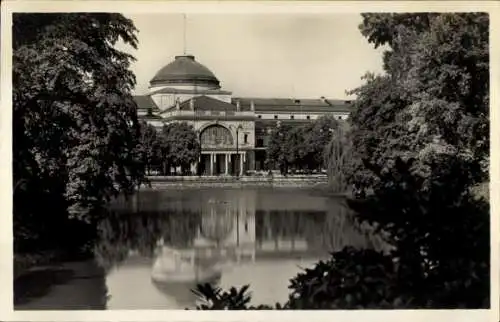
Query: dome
{"x": 185, "y": 70}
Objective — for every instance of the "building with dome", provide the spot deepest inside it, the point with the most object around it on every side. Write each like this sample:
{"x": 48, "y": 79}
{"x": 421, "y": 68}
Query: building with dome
{"x": 233, "y": 130}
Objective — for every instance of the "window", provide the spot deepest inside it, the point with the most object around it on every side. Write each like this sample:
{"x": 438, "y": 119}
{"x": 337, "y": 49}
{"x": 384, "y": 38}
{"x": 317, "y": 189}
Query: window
{"x": 291, "y": 117}
{"x": 245, "y": 138}
{"x": 308, "y": 117}
{"x": 216, "y": 135}
{"x": 259, "y": 116}
{"x": 150, "y": 111}
{"x": 276, "y": 117}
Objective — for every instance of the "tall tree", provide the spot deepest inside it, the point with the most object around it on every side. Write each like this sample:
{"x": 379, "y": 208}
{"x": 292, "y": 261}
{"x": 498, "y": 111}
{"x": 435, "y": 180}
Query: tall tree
{"x": 181, "y": 146}
{"x": 151, "y": 147}
{"x": 337, "y": 156}
{"x": 277, "y": 150}
{"x": 317, "y": 139}
{"x": 75, "y": 125}
{"x": 420, "y": 137}
{"x": 301, "y": 146}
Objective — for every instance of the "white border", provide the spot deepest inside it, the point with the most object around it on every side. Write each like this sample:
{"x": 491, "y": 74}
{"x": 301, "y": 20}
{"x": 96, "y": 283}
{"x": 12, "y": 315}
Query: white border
{"x": 7, "y": 313}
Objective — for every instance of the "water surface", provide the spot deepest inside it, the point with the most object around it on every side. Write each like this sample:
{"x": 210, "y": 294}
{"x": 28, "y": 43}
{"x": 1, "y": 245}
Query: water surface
{"x": 158, "y": 245}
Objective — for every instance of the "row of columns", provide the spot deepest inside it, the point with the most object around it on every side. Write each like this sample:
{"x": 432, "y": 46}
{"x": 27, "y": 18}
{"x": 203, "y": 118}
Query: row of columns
{"x": 227, "y": 156}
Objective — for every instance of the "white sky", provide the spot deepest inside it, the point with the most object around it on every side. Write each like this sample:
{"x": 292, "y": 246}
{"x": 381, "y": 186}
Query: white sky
{"x": 263, "y": 55}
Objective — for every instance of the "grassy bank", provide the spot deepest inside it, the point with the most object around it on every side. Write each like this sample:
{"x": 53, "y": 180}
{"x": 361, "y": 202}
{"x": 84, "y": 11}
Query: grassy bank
{"x": 24, "y": 262}
{"x": 76, "y": 285}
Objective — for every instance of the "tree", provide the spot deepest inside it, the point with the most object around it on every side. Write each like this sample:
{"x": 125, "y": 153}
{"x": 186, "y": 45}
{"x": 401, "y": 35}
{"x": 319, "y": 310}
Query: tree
{"x": 420, "y": 142}
{"x": 317, "y": 139}
{"x": 75, "y": 125}
{"x": 150, "y": 147}
{"x": 294, "y": 148}
{"x": 337, "y": 156}
{"x": 181, "y": 146}
{"x": 300, "y": 146}
{"x": 277, "y": 153}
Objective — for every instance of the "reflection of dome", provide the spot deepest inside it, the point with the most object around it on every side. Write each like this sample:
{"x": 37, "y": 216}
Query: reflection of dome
{"x": 217, "y": 223}
{"x": 176, "y": 277}
{"x": 185, "y": 70}
{"x": 165, "y": 271}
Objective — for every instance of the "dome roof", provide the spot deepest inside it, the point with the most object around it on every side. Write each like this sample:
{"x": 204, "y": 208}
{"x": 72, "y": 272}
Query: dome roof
{"x": 185, "y": 70}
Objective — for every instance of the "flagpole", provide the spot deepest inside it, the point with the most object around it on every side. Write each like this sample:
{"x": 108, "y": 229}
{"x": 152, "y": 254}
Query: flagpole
{"x": 184, "y": 25}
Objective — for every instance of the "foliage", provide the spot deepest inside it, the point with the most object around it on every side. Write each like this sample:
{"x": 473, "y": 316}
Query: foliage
{"x": 300, "y": 147}
{"x": 337, "y": 155}
{"x": 420, "y": 138}
{"x": 180, "y": 145}
{"x": 151, "y": 147}
{"x": 177, "y": 145}
{"x": 324, "y": 129}
{"x": 350, "y": 279}
{"x": 214, "y": 298}
{"x": 75, "y": 125}
{"x": 276, "y": 150}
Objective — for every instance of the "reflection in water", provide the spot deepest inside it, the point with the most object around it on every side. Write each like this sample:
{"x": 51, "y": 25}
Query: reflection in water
{"x": 162, "y": 243}
{"x": 176, "y": 275}
{"x": 217, "y": 223}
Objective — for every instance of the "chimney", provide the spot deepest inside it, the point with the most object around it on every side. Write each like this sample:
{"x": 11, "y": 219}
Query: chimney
{"x": 191, "y": 104}
{"x": 252, "y": 106}
{"x": 238, "y": 106}
{"x": 297, "y": 101}
{"x": 323, "y": 99}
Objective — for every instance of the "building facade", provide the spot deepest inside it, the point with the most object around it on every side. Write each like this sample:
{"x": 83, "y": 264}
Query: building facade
{"x": 233, "y": 131}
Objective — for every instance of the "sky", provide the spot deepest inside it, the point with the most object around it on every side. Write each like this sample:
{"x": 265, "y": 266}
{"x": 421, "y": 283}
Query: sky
{"x": 260, "y": 55}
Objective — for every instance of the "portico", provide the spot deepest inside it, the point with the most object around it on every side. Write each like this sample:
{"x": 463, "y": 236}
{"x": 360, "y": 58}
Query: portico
{"x": 215, "y": 163}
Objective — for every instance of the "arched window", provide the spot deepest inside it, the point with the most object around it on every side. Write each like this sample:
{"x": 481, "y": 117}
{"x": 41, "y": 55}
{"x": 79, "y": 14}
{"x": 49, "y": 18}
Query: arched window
{"x": 216, "y": 135}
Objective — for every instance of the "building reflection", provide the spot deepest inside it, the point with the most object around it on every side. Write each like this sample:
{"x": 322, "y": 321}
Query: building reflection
{"x": 227, "y": 228}
{"x": 233, "y": 229}
{"x": 172, "y": 244}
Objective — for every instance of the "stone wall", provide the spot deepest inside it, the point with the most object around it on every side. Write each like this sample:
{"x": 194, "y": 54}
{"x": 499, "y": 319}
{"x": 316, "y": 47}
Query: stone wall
{"x": 158, "y": 182}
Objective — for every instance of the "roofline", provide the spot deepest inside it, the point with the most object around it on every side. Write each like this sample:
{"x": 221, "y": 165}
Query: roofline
{"x": 304, "y": 109}
{"x": 291, "y": 98}
{"x": 183, "y": 80}
{"x": 189, "y": 91}
{"x": 195, "y": 117}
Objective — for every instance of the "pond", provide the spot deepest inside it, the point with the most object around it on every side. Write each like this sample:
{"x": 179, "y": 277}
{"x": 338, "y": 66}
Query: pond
{"x": 158, "y": 245}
